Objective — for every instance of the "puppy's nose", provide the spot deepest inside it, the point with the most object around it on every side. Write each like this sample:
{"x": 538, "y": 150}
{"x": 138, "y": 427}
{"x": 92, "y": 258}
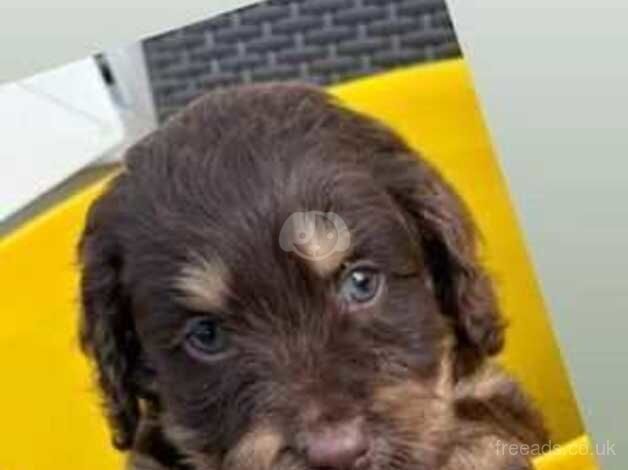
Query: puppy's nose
{"x": 337, "y": 446}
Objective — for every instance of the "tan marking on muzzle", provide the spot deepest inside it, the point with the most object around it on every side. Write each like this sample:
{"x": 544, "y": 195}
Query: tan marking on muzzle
{"x": 488, "y": 452}
{"x": 139, "y": 461}
{"x": 440, "y": 387}
{"x": 183, "y": 439}
{"x": 445, "y": 382}
{"x": 486, "y": 383}
{"x": 421, "y": 417}
{"x": 419, "y": 408}
{"x": 258, "y": 449}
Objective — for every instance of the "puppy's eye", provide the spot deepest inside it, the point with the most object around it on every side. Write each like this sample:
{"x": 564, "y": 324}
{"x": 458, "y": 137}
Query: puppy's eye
{"x": 361, "y": 285}
{"x": 205, "y": 336}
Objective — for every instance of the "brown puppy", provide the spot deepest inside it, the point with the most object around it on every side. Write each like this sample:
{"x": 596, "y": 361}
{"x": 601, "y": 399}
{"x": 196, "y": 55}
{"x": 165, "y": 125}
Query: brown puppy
{"x": 276, "y": 282}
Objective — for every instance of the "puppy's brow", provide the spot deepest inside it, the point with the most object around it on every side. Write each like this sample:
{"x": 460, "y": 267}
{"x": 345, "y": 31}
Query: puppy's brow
{"x": 327, "y": 265}
{"x": 204, "y": 284}
{"x": 324, "y": 263}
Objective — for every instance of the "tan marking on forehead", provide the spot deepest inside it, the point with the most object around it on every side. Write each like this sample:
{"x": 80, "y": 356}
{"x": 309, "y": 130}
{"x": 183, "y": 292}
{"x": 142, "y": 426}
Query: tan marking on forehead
{"x": 204, "y": 284}
{"x": 258, "y": 449}
{"x": 327, "y": 247}
{"x": 327, "y": 265}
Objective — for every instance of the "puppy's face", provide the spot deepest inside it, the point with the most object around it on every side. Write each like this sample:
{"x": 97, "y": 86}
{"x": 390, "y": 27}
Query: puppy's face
{"x": 290, "y": 290}
{"x": 264, "y": 355}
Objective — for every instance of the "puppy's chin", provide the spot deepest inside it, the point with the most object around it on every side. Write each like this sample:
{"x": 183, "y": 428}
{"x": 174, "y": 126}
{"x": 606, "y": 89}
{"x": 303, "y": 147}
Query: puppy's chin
{"x": 413, "y": 426}
{"x": 408, "y": 424}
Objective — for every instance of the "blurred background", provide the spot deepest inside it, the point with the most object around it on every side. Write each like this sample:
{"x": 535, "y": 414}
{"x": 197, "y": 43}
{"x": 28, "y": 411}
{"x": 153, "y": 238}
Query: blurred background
{"x": 66, "y": 129}
{"x": 103, "y": 104}
{"x": 324, "y": 42}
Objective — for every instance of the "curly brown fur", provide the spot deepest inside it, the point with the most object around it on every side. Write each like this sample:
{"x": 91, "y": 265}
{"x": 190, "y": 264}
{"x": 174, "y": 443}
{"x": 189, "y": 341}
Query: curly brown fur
{"x": 191, "y": 229}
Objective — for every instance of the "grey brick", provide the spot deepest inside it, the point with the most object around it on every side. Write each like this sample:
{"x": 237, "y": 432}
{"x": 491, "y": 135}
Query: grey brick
{"x": 187, "y": 73}
{"x": 354, "y": 16}
{"x": 321, "y": 6}
{"x": 172, "y": 95}
{"x": 243, "y": 33}
{"x": 419, "y": 7}
{"x": 180, "y": 40}
{"x": 219, "y": 51}
{"x": 441, "y": 18}
{"x": 219, "y": 79}
{"x": 319, "y": 79}
{"x": 280, "y": 72}
{"x": 260, "y": 13}
{"x": 346, "y": 76}
{"x": 297, "y": 24}
{"x": 164, "y": 91}
{"x": 302, "y": 54}
{"x": 394, "y": 26}
{"x": 367, "y": 45}
{"x": 269, "y": 43}
{"x": 214, "y": 24}
{"x": 330, "y": 35}
{"x": 239, "y": 63}
{"x": 157, "y": 61}
{"x": 338, "y": 64}
{"x": 446, "y": 50}
{"x": 425, "y": 37}
{"x": 191, "y": 41}
{"x": 336, "y": 40}
{"x": 403, "y": 56}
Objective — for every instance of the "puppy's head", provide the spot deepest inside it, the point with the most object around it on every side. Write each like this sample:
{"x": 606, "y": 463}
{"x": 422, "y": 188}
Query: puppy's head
{"x": 287, "y": 284}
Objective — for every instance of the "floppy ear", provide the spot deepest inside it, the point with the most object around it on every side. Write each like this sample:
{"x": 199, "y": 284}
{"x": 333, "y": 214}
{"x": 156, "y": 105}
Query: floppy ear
{"x": 106, "y": 328}
{"x": 447, "y": 236}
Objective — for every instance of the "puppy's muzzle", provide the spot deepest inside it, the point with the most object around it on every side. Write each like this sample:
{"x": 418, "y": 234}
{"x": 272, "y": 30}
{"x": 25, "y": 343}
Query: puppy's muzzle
{"x": 342, "y": 445}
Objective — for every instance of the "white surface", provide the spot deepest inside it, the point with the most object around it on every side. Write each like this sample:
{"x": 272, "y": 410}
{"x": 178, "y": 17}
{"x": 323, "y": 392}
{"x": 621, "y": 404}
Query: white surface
{"x": 38, "y": 34}
{"x": 133, "y": 95}
{"x": 552, "y": 76}
{"x": 52, "y": 125}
